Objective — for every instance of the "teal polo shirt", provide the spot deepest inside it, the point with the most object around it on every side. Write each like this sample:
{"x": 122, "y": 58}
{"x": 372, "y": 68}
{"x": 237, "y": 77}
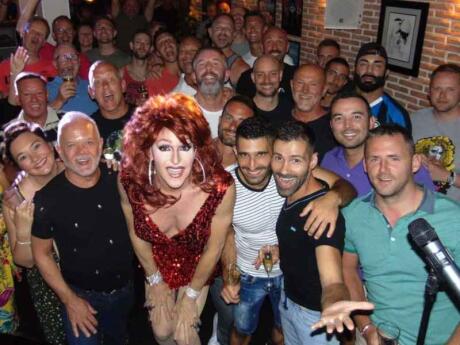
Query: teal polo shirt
{"x": 394, "y": 274}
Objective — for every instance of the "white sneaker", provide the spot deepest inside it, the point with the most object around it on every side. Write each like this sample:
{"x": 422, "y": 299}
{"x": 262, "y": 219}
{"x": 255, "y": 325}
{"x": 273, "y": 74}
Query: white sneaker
{"x": 213, "y": 339}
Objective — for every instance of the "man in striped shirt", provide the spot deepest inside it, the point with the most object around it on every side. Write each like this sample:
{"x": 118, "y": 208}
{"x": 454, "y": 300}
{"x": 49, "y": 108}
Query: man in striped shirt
{"x": 257, "y": 207}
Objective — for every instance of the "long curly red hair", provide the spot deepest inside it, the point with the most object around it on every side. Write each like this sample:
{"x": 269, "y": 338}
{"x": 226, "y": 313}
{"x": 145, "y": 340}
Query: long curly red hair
{"x": 181, "y": 115}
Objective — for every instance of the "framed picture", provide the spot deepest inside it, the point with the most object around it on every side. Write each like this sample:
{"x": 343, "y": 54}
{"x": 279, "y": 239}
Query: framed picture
{"x": 292, "y": 17}
{"x": 294, "y": 52}
{"x": 402, "y": 31}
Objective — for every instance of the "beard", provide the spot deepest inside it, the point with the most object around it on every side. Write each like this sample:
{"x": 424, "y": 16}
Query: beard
{"x": 211, "y": 89}
{"x": 288, "y": 191}
{"x": 140, "y": 56}
{"x": 377, "y": 82}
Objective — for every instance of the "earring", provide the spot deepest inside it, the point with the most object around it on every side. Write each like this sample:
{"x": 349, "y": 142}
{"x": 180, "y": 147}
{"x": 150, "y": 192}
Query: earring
{"x": 202, "y": 169}
{"x": 150, "y": 171}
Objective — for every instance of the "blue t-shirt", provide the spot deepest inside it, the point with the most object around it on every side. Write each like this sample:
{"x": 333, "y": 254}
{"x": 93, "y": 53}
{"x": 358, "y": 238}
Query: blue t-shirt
{"x": 387, "y": 111}
{"x": 80, "y": 102}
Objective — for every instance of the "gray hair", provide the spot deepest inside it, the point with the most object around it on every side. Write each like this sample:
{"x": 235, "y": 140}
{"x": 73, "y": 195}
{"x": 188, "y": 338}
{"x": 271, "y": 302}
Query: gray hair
{"x": 71, "y": 117}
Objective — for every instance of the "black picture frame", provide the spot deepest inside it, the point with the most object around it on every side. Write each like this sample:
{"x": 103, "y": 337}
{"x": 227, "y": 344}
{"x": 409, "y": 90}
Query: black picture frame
{"x": 402, "y": 27}
{"x": 291, "y": 17}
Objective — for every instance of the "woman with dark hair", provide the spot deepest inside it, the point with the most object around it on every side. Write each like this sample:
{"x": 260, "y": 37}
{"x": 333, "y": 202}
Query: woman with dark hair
{"x": 26, "y": 146}
{"x": 178, "y": 201}
{"x": 85, "y": 39}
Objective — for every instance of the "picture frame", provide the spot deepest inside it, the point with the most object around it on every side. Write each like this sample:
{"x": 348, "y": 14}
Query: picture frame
{"x": 294, "y": 52}
{"x": 401, "y": 31}
{"x": 291, "y": 17}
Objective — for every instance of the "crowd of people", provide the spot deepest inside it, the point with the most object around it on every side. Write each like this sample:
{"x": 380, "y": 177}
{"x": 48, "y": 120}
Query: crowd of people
{"x": 220, "y": 171}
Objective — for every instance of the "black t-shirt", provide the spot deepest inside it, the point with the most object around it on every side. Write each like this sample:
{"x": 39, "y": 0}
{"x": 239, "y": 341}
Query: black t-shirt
{"x": 325, "y": 140}
{"x": 8, "y": 112}
{"x": 111, "y": 130}
{"x": 297, "y": 252}
{"x": 281, "y": 113}
{"x": 90, "y": 231}
{"x": 168, "y": 16}
{"x": 245, "y": 85}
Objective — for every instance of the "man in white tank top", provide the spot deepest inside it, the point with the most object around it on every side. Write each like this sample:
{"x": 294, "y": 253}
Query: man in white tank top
{"x": 211, "y": 72}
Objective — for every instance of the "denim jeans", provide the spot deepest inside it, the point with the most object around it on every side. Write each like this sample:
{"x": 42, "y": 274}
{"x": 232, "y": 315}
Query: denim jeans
{"x": 297, "y": 321}
{"x": 253, "y": 291}
{"x": 112, "y": 316}
{"x": 224, "y": 312}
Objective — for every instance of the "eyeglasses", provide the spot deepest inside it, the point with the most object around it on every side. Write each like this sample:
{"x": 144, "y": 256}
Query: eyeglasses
{"x": 67, "y": 57}
{"x": 61, "y": 31}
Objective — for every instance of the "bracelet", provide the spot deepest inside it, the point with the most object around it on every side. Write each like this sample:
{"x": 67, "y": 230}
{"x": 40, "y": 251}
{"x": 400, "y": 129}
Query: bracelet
{"x": 154, "y": 279}
{"x": 192, "y": 293}
{"x": 365, "y": 328}
{"x": 25, "y": 243}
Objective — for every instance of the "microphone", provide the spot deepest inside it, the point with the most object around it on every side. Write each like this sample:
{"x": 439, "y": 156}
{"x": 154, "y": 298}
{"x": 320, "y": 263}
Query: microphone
{"x": 439, "y": 259}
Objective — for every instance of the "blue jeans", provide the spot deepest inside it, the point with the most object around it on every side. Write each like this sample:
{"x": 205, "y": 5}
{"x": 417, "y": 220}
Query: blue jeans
{"x": 297, "y": 321}
{"x": 112, "y": 316}
{"x": 224, "y": 312}
{"x": 253, "y": 291}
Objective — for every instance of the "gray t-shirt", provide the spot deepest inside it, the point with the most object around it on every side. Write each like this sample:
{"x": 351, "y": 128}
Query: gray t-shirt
{"x": 426, "y": 125}
{"x": 119, "y": 58}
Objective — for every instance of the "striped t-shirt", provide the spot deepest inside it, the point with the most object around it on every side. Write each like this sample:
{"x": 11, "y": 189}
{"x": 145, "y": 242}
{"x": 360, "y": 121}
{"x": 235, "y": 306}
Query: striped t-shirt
{"x": 254, "y": 221}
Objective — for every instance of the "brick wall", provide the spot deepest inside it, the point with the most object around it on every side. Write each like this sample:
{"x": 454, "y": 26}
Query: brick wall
{"x": 441, "y": 45}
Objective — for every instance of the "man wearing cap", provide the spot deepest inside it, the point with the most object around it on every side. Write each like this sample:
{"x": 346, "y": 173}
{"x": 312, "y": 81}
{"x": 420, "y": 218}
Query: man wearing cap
{"x": 369, "y": 77}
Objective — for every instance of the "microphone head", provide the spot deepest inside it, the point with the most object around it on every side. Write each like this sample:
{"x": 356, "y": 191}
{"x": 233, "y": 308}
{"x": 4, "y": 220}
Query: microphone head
{"x": 422, "y": 232}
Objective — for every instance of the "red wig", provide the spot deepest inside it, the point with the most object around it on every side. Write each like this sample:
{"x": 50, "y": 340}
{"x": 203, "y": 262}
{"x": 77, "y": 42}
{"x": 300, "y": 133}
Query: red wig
{"x": 182, "y": 116}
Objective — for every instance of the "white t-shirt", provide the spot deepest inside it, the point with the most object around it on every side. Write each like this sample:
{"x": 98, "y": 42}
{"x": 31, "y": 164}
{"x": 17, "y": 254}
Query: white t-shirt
{"x": 213, "y": 119}
{"x": 183, "y": 87}
{"x": 254, "y": 221}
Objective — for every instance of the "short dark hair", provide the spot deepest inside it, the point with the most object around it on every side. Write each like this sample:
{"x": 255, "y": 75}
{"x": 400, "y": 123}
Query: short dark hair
{"x": 38, "y": 19}
{"x": 338, "y": 60}
{"x": 372, "y": 48}
{"x": 254, "y": 128}
{"x": 61, "y": 17}
{"x": 248, "y": 102}
{"x": 392, "y": 130}
{"x": 329, "y": 42}
{"x": 106, "y": 18}
{"x": 13, "y": 130}
{"x": 448, "y": 67}
{"x": 161, "y": 31}
{"x": 296, "y": 130}
{"x": 141, "y": 31}
{"x": 345, "y": 94}
{"x": 250, "y": 14}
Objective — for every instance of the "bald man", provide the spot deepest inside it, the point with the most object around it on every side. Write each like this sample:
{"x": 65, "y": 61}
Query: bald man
{"x": 271, "y": 104}
{"x": 275, "y": 42}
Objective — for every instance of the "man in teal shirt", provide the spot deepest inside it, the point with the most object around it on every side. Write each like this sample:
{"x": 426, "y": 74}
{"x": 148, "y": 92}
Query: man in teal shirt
{"x": 394, "y": 274}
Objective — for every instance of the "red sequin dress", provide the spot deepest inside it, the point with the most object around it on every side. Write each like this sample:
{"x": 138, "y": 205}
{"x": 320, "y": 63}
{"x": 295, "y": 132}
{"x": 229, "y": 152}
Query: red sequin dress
{"x": 178, "y": 256}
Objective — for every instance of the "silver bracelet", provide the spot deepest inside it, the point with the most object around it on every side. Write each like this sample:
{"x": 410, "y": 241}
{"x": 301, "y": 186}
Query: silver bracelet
{"x": 192, "y": 293}
{"x": 26, "y": 243}
{"x": 154, "y": 279}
